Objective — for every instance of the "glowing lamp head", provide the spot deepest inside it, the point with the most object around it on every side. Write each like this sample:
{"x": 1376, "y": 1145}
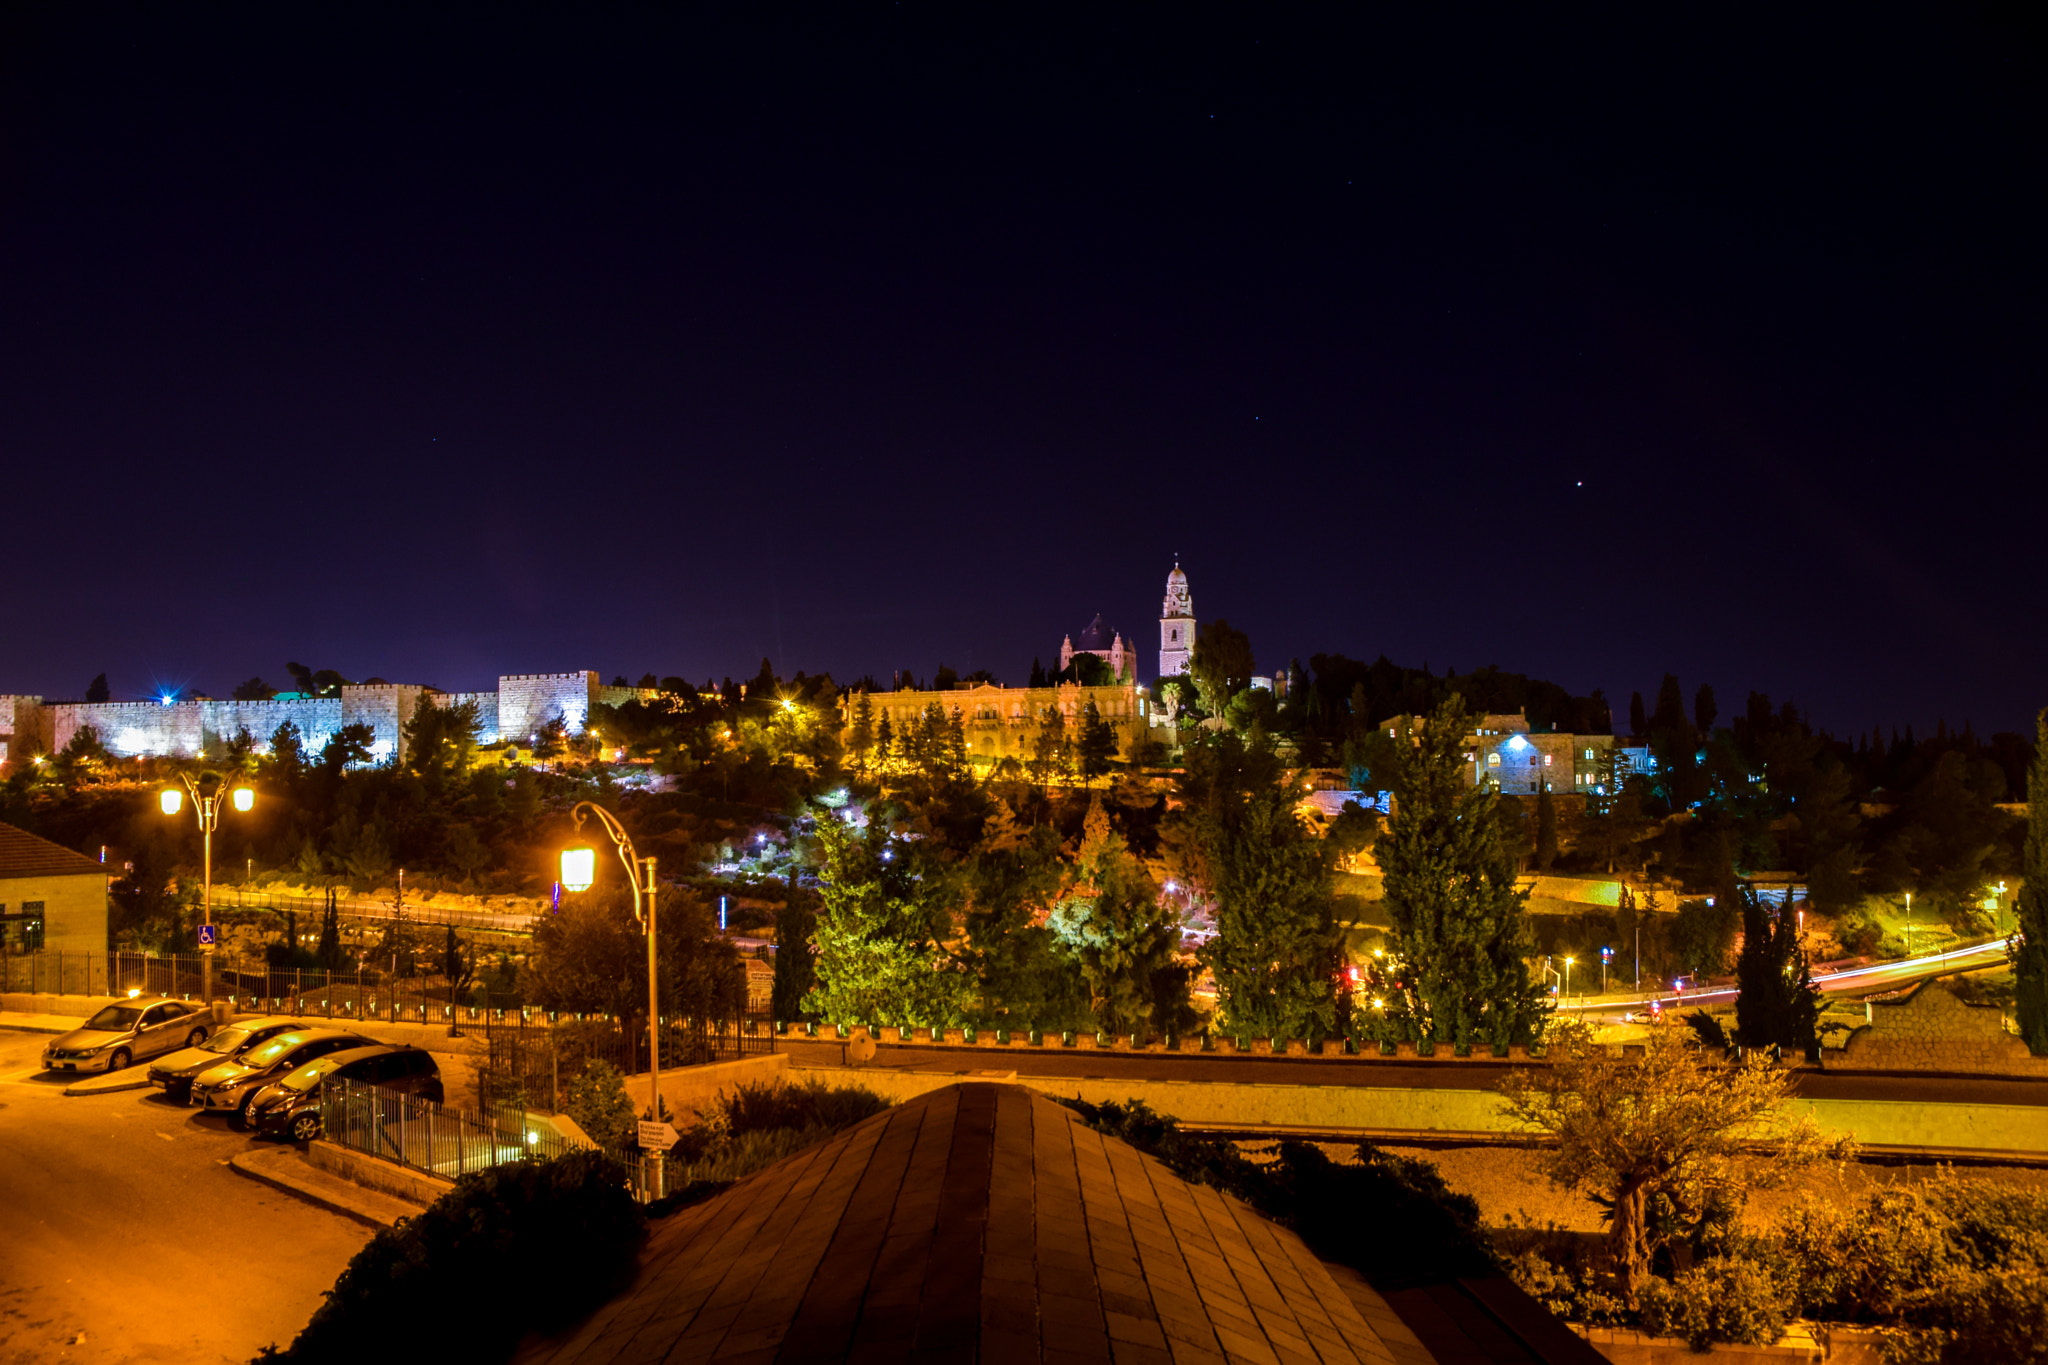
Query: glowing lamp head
{"x": 579, "y": 868}
{"x": 172, "y": 801}
{"x": 244, "y": 798}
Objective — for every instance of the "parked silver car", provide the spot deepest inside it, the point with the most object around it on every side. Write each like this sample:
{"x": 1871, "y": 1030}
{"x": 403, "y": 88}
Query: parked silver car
{"x": 173, "y": 1074}
{"x": 128, "y": 1032}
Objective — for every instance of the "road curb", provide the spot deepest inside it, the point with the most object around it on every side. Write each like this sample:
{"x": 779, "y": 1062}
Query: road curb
{"x": 97, "y": 1085}
{"x": 287, "y": 1171}
{"x": 34, "y": 1028}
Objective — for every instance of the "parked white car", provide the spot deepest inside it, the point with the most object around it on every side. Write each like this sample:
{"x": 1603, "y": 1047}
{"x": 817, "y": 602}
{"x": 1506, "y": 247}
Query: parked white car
{"x": 129, "y": 1032}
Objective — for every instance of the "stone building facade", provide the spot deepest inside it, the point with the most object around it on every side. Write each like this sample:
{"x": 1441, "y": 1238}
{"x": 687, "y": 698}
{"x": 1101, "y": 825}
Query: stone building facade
{"x": 1506, "y": 756}
{"x": 515, "y": 711}
{"x": 1004, "y": 722}
{"x": 1103, "y": 643}
{"x": 50, "y": 897}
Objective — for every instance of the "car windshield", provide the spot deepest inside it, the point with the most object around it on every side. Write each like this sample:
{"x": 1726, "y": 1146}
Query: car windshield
{"x": 272, "y": 1050}
{"x": 226, "y": 1041}
{"x": 312, "y": 1073}
{"x": 114, "y": 1019}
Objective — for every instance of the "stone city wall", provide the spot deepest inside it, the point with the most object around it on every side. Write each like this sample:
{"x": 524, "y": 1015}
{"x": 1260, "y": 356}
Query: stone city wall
{"x": 527, "y": 701}
{"x": 23, "y": 726}
{"x": 522, "y": 703}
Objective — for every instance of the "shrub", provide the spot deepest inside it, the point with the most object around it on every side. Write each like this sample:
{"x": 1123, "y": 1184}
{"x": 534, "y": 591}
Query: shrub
{"x": 411, "y": 1284}
{"x": 1738, "y": 1302}
{"x": 598, "y": 1102}
{"x": 811, "y": 1104}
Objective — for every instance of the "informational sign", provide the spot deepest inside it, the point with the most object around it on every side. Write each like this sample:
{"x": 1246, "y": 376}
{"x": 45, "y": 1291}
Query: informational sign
{"x": 657, "y": 1137}
{"x": 207, "y": 934}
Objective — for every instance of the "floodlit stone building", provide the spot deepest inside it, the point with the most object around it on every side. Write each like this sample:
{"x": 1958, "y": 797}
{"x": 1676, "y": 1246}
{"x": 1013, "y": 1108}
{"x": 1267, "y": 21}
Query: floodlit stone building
{"x": 1004, "y": 722}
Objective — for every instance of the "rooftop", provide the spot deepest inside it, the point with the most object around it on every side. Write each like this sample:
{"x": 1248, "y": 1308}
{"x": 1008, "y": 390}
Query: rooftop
{"x": 24, "y": 855}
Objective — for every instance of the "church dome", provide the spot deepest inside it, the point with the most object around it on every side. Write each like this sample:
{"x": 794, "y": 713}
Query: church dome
{"x": 1096, "y": 638}
{"x": 1176, "y": 579}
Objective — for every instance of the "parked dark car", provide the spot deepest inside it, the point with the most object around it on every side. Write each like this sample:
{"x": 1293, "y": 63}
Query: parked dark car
{"x": 125, "y": 1032}
{"x": 174, "y": 1074}
{"x": 229, "y": 1087}
{"x": 291, "y": 1107}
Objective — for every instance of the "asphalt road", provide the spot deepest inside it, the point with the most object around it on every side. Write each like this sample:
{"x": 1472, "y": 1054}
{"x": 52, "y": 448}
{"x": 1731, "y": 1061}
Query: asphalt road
{"x": 1411, "y": 1074}
{"x": 120, "y": 1220}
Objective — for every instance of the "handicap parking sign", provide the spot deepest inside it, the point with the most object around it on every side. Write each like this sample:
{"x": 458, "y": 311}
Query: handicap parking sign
{"x": 206, "y": 933}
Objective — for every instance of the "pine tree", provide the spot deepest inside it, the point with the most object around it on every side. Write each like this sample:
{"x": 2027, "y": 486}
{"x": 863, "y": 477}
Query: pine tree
{"x": 97, "y": 690}
{"x": 1636, "y": 721}
{"x": 1461, "y": 930}
{"x": 795, "y": 972}
{"x": 1122, "y": 936}
{"x": 1274, "y": 956}
{"x": 1024, "y": 975}
{"x": 1051, "y": 754}
{"x": 883, "y": 909}
{"x": 1037, "y": 674}
{"x": 885, "y": 743}
{"x": 1703, "y": 710}
{"x": 860, "y": 736}
{"x": 2028, "y": 946}
{"x": 1097, "y": 748}
{"x": 1779, "y": 1006}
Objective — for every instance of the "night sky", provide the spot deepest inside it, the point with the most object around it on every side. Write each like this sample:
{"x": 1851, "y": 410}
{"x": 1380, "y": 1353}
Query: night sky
{"x": 433, "y": 344}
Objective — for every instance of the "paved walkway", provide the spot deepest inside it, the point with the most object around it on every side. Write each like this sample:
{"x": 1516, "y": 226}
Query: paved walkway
{"x": 287, "y": 1169}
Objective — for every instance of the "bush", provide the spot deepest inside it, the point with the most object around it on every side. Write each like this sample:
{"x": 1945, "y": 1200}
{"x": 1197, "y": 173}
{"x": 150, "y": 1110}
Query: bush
{"x": 811, "y": 1104}
{"x": 1738, "y": 1302}
{"x": 413, "y": 1283}
{"x": 598, "y": 1102}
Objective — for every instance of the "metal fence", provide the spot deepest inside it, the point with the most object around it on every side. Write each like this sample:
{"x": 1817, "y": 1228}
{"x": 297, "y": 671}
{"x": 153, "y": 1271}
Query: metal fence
{"x": 357, "y": 907}
{"x": 531, "y": 1061}
{"x": 440, "y": 1141}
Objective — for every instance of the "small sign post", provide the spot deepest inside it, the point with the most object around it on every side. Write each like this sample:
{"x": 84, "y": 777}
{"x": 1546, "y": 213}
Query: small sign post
{"x": 657, "y": 1137}
{"x": 206, "y": 936}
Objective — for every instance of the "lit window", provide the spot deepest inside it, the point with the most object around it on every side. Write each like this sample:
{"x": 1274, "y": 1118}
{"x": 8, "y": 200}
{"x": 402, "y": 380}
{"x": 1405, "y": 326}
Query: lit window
{"x": 1589, "y": 753}
{"x": 1546, "y": 760}
{"x": 1493, "y": 760}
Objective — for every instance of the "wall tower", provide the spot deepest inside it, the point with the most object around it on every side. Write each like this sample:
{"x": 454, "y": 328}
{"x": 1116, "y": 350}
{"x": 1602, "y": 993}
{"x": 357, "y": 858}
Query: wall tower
{"x": 1176, "y": 625}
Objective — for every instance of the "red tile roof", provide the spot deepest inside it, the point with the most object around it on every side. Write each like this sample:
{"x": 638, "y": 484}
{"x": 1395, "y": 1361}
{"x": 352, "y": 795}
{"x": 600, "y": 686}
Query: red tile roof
{"x": 24, "y": 855}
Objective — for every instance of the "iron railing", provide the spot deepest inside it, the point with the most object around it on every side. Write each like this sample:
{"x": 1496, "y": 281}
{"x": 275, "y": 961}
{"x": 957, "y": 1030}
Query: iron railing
{"x": 436, "y": 1140}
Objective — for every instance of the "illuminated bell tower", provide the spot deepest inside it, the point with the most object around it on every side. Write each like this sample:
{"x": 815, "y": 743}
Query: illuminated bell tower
{"x": 1176, "y": 625}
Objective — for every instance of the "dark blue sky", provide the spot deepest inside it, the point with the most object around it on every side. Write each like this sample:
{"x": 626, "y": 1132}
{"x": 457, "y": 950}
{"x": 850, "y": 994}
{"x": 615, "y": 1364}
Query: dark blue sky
{"x": 433, "y": 343}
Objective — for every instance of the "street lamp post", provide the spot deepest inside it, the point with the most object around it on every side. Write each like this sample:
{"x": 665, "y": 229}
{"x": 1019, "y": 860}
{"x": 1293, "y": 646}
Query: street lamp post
{"x": 1568, "y": 981}
{"x": 206, "y": 805}
{"x": 1909, "y": 924}
{"x": 579, "y": 871}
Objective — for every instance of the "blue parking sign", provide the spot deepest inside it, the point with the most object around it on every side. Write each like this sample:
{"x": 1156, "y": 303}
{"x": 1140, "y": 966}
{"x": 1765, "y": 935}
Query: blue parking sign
{"x": 206, "y": 933}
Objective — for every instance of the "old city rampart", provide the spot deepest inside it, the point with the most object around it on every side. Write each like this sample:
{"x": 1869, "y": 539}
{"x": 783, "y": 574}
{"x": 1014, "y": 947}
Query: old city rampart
{"x": 521, "y": 705}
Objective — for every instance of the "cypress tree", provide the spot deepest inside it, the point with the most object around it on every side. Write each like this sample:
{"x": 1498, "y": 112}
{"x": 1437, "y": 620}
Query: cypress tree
{"x": 883, "y": 910}
{"x": 795, "y": 973}
{"x": 2028, "y": 946}
{"x": 1461, "y": 938}
{"x": 860, "y": 737}
{"x": 1122, "y": 937}
{"x": 1779, "y": 1004}
{"x": 1636, "y": 721}
{"x": 1546, "y": 826}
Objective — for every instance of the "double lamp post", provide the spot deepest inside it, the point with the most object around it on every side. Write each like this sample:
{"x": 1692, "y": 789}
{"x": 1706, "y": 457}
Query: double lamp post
{"x": 579, "y": 872}
{"x": 207, "y": 799}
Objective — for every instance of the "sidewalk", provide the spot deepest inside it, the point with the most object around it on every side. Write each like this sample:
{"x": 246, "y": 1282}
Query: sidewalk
{"x": 287, "y": 1169}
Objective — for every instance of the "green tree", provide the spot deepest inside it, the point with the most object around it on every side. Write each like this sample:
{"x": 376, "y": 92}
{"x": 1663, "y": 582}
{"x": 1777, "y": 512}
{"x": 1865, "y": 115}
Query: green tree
{"x": 1703, "y": 934}
{"x": 440, "y": 741}
{"x": 329, "y": 950}
{"x": 1121, "y": 935}
{"x": 1096, "y": 750}
{"x": 254, "y": 689}
{"x": 2028, "y": 945}
{"x": 1052, "y": 754}
{"x": 1661, "y": 1139}
{"x": 860, "y": 737}
{"x": 1460, "y": 927}
{"x": 881, "y": 917}
{"x": 1779, "y": 1006}
{"x": 1023, "y": 974}
{"x": 97, "y": 690}
{"x": 348, "y": 747}
{"x": 795, "y": 971}
{"x": 1241, "y": 841}
{"x": 596, "y": 1099}
{"x": 1221, "y": 664}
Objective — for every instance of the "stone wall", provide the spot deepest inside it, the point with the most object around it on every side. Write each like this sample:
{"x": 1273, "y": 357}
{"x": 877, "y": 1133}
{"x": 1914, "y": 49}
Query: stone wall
{"x": 23, "y": 722}
{"x": 1931, "y": 1030}
{"x": 527, "y": 701}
